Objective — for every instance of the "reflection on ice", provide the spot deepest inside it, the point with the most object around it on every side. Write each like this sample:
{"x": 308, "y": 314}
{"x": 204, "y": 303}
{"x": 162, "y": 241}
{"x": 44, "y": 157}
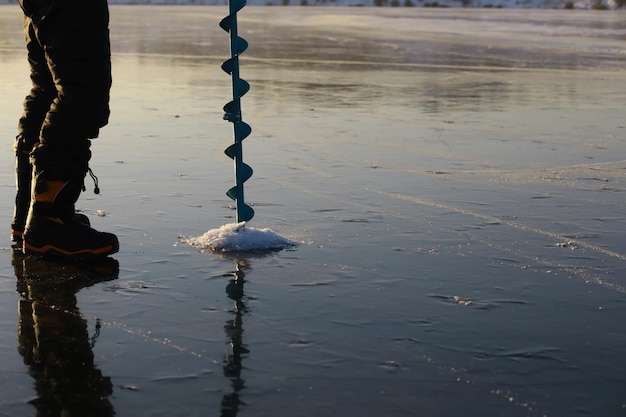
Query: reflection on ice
{"x": 54, "y": 340}
{"x": 232, "y": 363}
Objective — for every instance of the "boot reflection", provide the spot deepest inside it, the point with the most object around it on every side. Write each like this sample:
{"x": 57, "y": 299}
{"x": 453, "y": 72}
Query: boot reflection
{"x": 53, "y": 337}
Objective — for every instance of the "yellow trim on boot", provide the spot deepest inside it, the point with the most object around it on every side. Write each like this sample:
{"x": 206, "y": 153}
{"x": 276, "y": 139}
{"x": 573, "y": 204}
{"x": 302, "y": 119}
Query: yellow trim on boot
{"x": 53, "y": 190}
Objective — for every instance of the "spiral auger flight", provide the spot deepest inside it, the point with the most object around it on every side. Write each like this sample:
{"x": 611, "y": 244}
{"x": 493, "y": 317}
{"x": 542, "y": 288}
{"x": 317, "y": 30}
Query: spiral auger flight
{"x": 232, "y": 110}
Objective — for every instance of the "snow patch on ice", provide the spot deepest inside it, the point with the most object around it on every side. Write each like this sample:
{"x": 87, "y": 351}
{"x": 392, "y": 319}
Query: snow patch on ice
{"x": 237, "y": 237}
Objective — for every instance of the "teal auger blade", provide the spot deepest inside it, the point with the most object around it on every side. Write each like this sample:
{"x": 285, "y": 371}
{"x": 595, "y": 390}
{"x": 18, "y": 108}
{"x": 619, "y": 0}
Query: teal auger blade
{"x": 232, "y": 111}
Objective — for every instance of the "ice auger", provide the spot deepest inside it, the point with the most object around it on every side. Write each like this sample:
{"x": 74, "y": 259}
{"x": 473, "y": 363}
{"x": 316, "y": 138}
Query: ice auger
{"x": 232, "y": 110}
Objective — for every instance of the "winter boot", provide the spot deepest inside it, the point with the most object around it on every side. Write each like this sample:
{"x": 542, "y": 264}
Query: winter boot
{"x": 23, "y": 178}
{"x": 23, "y": 175}
{"x": 51, "y": 227}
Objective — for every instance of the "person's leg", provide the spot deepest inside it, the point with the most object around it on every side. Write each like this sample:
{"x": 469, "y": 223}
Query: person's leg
{"x": 36, "y": 106}
{"x": 76, "y": 38}
{"x": 76, "y": 43}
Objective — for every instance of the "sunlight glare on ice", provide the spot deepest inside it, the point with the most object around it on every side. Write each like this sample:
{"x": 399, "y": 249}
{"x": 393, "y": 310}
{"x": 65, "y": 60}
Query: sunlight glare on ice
{"x": 234, "y": 237}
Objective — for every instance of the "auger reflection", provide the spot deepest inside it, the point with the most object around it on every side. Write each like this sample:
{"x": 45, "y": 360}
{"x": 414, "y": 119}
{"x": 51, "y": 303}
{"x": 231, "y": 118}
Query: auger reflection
{"x": 53, "y": 338}
{"x": 233, "y": 329}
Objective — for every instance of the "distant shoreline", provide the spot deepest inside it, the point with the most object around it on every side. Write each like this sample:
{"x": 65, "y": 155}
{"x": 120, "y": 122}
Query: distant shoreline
{"x": 468, "y": 4}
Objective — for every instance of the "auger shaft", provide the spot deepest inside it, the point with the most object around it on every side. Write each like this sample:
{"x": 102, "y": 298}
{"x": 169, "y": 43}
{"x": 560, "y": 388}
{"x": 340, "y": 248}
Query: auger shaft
{"x": 232, "y": 111}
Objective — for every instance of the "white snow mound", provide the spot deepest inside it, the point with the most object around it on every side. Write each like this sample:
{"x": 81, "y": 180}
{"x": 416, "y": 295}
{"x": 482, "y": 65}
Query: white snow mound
{"x": 237, "y": 237}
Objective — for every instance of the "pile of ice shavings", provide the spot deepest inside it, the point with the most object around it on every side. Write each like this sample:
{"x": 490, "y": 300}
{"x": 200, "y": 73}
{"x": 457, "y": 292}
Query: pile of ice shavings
{"x": 235, "y": 237}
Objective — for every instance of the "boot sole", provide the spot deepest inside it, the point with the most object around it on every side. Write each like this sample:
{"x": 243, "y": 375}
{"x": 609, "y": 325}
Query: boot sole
{"x": 53, "y": 251}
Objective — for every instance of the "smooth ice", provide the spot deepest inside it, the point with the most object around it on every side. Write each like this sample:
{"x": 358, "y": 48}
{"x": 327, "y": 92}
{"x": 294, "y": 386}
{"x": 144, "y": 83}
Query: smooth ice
{"x": 454, "y": 180}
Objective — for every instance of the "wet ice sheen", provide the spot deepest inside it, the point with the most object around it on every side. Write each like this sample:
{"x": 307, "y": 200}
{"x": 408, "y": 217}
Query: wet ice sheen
{"x": 235, "y": 237}
{"x": 458, "y": 176}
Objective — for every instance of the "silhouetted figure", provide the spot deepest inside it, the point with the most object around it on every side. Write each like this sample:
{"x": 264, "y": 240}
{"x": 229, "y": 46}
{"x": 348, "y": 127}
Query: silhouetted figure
{"x": 69, "y": 54}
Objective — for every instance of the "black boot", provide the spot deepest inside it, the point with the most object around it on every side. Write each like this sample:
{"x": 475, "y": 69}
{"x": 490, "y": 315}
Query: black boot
{"x": 51, "y": 227}
{"x": 23, "y": 176}
{"x": 23, "y": 179}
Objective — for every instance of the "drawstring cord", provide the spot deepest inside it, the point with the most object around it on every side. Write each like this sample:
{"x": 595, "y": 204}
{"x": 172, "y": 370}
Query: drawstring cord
{"x": 95, "y": 181}
{"x": 96, "y": 189}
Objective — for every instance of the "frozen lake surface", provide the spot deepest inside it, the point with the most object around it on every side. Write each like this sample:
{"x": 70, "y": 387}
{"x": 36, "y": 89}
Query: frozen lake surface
{"x": 455, "y": 181}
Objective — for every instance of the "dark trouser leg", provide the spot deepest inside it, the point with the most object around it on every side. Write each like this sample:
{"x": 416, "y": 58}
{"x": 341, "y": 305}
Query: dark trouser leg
{"x": 76, "y": 39}
{"x": 36, "y": 106}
